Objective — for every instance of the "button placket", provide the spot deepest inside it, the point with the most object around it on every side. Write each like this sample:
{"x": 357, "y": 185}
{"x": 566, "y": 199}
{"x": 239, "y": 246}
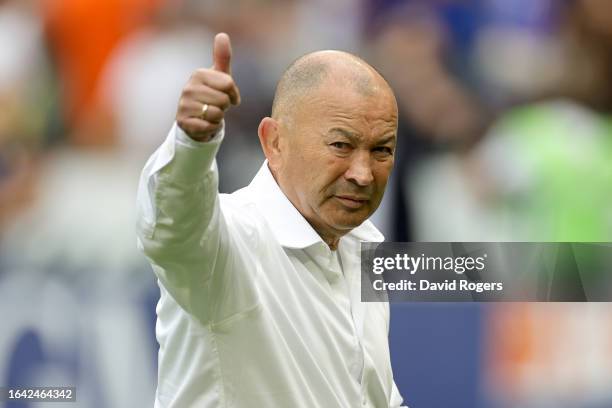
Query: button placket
{"x": 352, "y": 280}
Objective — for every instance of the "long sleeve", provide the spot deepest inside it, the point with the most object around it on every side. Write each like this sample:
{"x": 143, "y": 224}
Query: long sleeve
{"x": 181, "y": 229}
{"x": 396, "y": 398}
{"x": 242, "y": 319}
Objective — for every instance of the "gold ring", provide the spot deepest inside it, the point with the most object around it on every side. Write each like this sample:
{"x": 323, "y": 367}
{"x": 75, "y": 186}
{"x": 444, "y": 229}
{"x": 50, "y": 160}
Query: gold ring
{"x": 204, "y": 111}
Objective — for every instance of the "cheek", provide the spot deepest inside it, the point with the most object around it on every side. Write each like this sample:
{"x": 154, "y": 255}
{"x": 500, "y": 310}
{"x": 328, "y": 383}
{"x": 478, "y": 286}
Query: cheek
{"x": 309, "y": 172}
{"x": 323, "y": 171}
{"x": 381, "y": 176}
{"x": 297, "y": 163}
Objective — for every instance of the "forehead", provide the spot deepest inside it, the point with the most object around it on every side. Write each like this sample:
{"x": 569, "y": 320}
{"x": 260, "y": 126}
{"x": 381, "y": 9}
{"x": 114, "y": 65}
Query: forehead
{"x": 352, "y": 103}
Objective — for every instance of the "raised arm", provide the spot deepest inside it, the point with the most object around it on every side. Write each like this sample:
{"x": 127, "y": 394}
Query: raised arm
{"x": 181, "y": 228}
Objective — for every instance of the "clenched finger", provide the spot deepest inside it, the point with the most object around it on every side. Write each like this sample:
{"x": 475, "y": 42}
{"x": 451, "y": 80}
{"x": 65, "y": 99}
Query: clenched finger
{"x": 195, "y": 109}
{"x": 219, "y": 81}
{"x": 205, "y": 94}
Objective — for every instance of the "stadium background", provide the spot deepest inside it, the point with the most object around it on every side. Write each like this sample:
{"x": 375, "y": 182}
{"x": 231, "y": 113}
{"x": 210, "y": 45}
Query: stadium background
{"x": 505, "y": 135}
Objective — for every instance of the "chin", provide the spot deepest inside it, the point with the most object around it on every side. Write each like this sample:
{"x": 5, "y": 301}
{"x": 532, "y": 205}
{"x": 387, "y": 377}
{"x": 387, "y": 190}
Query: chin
{"x": 346, "y": 224}
{"x": 341, "y": 219}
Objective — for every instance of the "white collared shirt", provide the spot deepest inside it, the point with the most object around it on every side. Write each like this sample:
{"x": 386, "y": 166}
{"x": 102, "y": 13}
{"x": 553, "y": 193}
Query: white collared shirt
{"x": 255, "y": 309}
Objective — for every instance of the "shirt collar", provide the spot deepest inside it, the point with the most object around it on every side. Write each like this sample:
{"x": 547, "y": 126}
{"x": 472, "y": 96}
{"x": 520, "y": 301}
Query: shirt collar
{"x": 287, "y": 223}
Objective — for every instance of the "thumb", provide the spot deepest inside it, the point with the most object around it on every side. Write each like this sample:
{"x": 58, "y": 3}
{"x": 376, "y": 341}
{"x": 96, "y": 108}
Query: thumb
{"x": 222, "y": 53}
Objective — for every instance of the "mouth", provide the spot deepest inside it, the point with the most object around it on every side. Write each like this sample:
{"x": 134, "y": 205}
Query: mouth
{"x": 351, "y": 201}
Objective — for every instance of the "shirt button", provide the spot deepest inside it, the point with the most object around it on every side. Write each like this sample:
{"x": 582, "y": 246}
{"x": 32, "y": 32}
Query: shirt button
{"x": 364, "y": 401}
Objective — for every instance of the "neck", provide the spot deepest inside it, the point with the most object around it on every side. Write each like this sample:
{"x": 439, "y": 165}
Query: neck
{"x": 332, "y": 242}
{"x": 330, "y": 237}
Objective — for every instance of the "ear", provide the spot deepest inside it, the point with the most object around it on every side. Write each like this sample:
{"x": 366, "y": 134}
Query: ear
{"x": 269, "y": 137}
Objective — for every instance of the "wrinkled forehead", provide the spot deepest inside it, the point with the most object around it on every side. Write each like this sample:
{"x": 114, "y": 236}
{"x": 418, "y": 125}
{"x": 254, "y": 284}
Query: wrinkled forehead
{"x": 364, "y": 94}
{"x": 345, "y": 111}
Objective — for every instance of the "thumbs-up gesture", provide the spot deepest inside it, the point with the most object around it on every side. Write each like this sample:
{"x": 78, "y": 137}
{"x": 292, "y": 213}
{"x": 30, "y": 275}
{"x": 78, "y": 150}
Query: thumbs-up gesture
{"x": 208, "y": 94}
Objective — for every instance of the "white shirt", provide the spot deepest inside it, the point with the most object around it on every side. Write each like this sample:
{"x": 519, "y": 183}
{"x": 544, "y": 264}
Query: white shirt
{"x": 255, "y": 309}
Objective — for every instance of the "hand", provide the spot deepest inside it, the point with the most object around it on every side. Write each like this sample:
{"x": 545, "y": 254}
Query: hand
{"x": 208, "y": 94}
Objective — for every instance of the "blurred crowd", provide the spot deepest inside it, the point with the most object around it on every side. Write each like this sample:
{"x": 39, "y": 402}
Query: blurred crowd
{"x": 505, "y": 135}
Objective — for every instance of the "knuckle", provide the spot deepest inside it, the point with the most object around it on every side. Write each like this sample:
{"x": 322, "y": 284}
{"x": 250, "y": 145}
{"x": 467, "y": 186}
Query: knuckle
{"x": 215, "y": 120}
{"x": 201, "y": 75}
{"x": 227, "y": 82}
{"x": 184, "y": 125}
{"x": 204, "y": 125}
{"x": 183, "y": 110}
{"x": 225, "y": 101}
{"x": 200, "y": 72}
{"x": 189, "y": 91}
{"x": 212, "y": 127}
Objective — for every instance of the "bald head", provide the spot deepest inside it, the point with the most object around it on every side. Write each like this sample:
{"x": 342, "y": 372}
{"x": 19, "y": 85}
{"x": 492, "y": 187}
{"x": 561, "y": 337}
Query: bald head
{"x": 312, "y": 71}
{"x": 330, "y": 143}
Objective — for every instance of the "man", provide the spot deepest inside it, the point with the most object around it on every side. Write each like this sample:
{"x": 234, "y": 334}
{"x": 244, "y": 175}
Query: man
{"x": 260, "y": 290}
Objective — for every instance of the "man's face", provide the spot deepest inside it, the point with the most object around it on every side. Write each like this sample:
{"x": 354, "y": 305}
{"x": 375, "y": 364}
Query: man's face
{"x": 338, "y": 154}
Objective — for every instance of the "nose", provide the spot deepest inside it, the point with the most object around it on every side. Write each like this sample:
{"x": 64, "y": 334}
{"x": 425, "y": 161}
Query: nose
{"x": 360, "y": 170}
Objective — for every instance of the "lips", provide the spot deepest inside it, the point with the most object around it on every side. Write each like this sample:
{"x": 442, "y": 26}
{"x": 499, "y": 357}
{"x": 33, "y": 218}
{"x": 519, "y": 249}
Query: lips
{"x": 352, "y": 201}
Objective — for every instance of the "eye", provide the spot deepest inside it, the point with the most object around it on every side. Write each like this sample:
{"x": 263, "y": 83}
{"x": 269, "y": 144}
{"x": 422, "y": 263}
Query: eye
{"x": 384, "y": 149}
{"x": 340, "y": 145}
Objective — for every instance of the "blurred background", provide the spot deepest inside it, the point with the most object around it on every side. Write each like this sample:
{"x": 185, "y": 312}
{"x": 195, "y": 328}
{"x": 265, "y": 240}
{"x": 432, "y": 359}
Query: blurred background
{"x": 505, "y": 135}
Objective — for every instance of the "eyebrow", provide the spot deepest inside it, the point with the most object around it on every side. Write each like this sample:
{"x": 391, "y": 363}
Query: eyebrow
{"x": 352, "y": 136}
{"x": 390, "y": 138}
